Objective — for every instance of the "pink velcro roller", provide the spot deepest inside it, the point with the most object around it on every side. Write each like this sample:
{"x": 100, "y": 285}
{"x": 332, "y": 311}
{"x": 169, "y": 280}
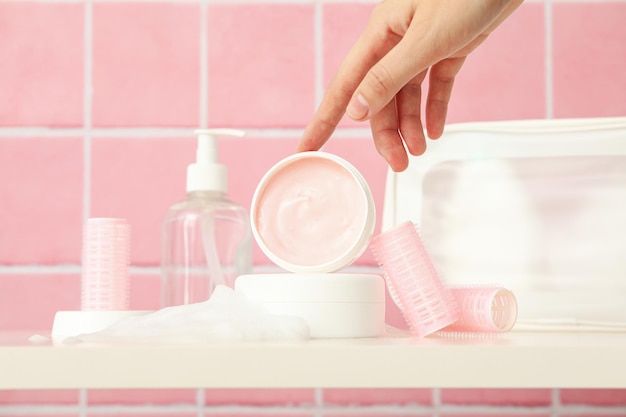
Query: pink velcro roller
{"x": 424, "y": 300}
{"x": 106, "y": 249}
{"x": 484, "y": 310}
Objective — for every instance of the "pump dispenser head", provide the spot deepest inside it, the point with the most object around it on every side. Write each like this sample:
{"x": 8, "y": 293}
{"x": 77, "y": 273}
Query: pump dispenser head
{"x": 207, "y": 174}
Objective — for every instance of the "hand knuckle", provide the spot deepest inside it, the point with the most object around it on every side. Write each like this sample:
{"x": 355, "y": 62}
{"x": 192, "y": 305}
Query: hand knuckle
{"x": 381, "y": 81}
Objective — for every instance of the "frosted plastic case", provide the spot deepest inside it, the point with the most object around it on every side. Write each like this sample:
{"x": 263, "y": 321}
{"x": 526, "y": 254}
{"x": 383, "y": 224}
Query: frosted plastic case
{"x": 538, "y": 207}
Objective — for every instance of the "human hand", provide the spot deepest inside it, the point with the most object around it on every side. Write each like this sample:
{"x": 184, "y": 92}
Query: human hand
{"x": 380, "y": 79}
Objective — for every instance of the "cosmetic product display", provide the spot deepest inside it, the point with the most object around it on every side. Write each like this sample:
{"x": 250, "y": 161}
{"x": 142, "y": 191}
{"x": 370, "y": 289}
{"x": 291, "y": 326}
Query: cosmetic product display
{"x": 313, "y": 214}
{"x": 206, "y": 237}
{"x": 426, "y": 303}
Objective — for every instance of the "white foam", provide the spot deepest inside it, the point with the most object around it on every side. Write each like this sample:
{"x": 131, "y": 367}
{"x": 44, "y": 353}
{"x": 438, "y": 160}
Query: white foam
{"x": 226, "y": 316}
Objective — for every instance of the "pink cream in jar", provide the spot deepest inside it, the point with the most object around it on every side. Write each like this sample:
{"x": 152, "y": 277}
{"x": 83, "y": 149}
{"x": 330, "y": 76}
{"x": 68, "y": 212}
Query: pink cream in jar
{"x": 313, "y": 212}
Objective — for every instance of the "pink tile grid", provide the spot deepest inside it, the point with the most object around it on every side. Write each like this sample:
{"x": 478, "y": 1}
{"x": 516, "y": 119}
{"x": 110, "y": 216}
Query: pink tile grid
{"x": 367, "y": 397}
{"x": 30, "y": 301}
{"x": 48, "y": 414}
{"x": 138, "y": 179}
{"x": 342, "y": 23}
{"x": 504, "y": 78}
{"x": 262, "y": 413}
{"x": 388, "y": 414}
{"x": 41, "y": 64}
{"x": 145, "y": 291}
{"x": 116, "y": 413}
{"x": 259, "y": 397}
{"x": 589, "y": 59}
{"x": 597, "y": 397}
{"x": 496, "y": 397}
{"x": 599, "y": 414}
{"x": 260, "y": 64}
{"x": 38, "y": 397}
{"x": 496, "y": 414}
{"x": 41, "y": 190}
{"x": 146, "y": 64}
{"x": 102, "y": 397}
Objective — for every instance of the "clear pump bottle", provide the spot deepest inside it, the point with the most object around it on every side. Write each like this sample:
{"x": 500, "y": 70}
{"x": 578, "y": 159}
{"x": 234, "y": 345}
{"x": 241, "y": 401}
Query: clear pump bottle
{"x": 206, "y": 238}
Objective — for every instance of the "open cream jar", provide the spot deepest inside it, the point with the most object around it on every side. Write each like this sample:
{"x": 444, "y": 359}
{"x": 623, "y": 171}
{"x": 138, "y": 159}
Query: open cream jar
{"x": 312, "y": 214}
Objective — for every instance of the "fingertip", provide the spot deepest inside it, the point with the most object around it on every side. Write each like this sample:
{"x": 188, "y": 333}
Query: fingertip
{"x": 435, "y": 131}
{"x": 415, "y": 141}
{"x": 399, "y": 164}
{"x": 396, "y": 157}
{"x": 358, "y": 109}
{"x": 435, "y": 120}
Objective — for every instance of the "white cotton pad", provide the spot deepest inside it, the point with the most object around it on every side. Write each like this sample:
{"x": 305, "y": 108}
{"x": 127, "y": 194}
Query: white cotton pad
{"x": 333, "y": 305}
{"x": 226, "y": 316}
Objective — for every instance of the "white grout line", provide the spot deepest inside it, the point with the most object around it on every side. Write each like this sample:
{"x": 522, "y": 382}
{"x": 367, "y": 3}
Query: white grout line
{"x": 41, "y": 410}
{"x": 39, "y": 269}
{"x": 319, "y": 402}
{"x": 436, "y": 400}
{"x": 204, "y": 65}
{"x": 549, "y": 59}
{"x": 82, "y": 402}
{"x": 556, "y": 402}
{"x": 200, "y": 400}
{"x": 82, "y": 408}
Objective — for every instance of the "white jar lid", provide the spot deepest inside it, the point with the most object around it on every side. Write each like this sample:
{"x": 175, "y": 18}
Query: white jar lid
{"x": 313, "y": 212}
{"x": 333, "y": 305}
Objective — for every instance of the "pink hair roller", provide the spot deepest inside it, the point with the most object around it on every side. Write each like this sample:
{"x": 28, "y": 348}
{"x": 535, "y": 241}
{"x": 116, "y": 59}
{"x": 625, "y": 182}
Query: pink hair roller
{"x": 484, "y": 310}
{"x": 424, "y": 300}
{"x": 106, "y": 248}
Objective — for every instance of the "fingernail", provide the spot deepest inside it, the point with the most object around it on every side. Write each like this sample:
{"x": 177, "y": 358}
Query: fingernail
{"x": 357, "y": 109}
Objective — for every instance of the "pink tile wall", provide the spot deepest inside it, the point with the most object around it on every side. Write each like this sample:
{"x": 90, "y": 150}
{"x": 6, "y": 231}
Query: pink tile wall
{"x": 90, "y": 93}
{"x": 29, "y": 301}
{"x": 64, "y": 397}
{"x": 134, "y": 414}
{"x": 138, "y": 180}
{"x": 140, "y": 396}
{"x": 263, "y": 75}
{"x": 377, "y": 396}
{"x": 146, "y": 66}
{"x": 259, "y": 397}
{"x": 41, "y": 190}
{"x": 505, "y": 77}
{"x": 342, "y": 25}
{"x": 525, "y": 397}
{"x": 41, "y": 64}
{"x": 600, "y": 397}
{"x": 589, "y": 59}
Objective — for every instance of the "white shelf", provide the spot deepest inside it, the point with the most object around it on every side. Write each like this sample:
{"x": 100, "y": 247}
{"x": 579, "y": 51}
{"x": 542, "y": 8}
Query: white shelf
{"x": 516, "y": 360}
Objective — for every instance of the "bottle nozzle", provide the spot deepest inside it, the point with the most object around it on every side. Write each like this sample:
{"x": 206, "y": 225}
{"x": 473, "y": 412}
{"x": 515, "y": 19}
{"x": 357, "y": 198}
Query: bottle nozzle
{"x": 207, "y": 173}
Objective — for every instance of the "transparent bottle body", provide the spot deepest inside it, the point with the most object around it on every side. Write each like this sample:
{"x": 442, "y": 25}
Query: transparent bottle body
{"x": 206, "y": 241}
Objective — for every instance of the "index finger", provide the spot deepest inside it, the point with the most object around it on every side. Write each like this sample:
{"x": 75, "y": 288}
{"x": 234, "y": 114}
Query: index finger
{"x": 367, "y": 50}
